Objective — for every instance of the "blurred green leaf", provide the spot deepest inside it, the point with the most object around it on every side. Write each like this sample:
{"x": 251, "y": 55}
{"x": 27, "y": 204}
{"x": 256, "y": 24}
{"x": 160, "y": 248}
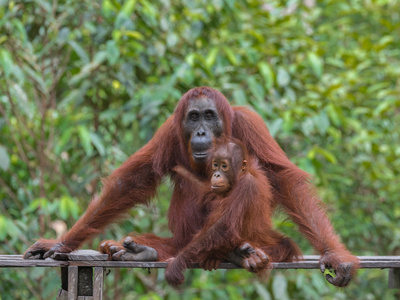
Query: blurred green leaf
{"x": 4, "y": 159}
{"x": 325, "y": 153}
{"x": 64, "y": 140}
{"x": 133, "y": 34}
{"x": 68, "y": 207}
{"x": 231, "y": 56}
{"x": 283, "y": 77}
{"x": 267, "y": 74}
{"x": 279, "y": 287}
{"x": 80, "y": 52}
{"x": 12, "y": 229}
{"x": 275, "y": 126}
{"x": 256, "y": 89}
{"x": 108, "y": 7}
{"x": 262, "y": 291}
{"x": 316, "y": 63}
{"x": 6, "y": 62}
{"x": 321, "y": 122}
{"x": 112, "y": 52}
{"x": 85, "y": 138}
{"x": 128, "y": 7}
{"x": 3, "y": 227}
{"x": 35, "y": 204}
{"x": 318, "y": 281}
{"x": 97, "y": 143}
{"x": 211, "y": 57}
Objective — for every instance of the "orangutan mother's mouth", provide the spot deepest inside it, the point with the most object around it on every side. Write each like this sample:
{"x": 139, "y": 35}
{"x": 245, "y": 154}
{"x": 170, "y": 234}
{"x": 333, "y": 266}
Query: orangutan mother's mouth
{"x": 200, "y": 155}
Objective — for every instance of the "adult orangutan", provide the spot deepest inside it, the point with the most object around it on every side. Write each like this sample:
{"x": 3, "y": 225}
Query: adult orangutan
{"x": 185, "y": 139}
{"x": 239, "y": 191}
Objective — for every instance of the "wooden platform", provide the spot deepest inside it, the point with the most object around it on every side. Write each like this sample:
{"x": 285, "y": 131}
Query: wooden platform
{"x": 309, "y": 262}
{"x": 82, "y": 274}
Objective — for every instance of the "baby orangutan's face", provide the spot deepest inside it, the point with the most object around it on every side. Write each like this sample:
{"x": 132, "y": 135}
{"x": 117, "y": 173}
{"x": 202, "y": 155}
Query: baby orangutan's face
{"x": 223, "y": 176}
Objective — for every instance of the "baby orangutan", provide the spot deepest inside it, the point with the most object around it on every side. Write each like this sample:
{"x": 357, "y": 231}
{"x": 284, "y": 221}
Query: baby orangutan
{"x": 238, "y": 227}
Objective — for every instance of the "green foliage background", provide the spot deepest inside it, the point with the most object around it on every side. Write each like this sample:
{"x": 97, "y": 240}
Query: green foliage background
{"x": 84, "y": 84}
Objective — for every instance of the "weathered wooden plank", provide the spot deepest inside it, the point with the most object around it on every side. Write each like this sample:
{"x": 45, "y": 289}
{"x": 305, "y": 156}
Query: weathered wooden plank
{"x": 62, "y": 295}
{"x": 309, "y": 262}
{"x": 64, "y": 278}
{"x": 315, "y": 265}
{"x": 98, "y": 283}
{"x": 394, "y": 279}
{"x": 87, "y": 260}
{"x": 361, "y": 258}
{"x": 26, "y": 263}
{"x": 85, "y": 281}
{"x": 101, "y": 256}
{"x": 120, "y": 264}
{"x": 72, "y": 283}
{"x": 10, "y": 257}
{"x": 87, "y": 255}
{"x": 380, "y": 258}
{"x": 226, "y": 265}
{"x": 379, "y": 264}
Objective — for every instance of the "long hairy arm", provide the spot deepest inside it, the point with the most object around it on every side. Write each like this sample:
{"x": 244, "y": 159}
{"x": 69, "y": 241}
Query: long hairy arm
{"x": 191, "y": 178}
{"x": 294, "y": 191}
{"x": 134, "y": 182}
{"x": 295, "y": 194}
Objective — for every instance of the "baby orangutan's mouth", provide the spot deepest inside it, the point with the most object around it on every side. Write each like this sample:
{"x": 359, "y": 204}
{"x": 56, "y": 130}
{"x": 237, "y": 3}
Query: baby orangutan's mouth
{"x": 219, "y": 189}
{"x": 217, "y": 186}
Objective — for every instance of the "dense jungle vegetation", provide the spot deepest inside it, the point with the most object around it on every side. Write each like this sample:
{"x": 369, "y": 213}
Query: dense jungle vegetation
{"x": 84, "y": 84}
